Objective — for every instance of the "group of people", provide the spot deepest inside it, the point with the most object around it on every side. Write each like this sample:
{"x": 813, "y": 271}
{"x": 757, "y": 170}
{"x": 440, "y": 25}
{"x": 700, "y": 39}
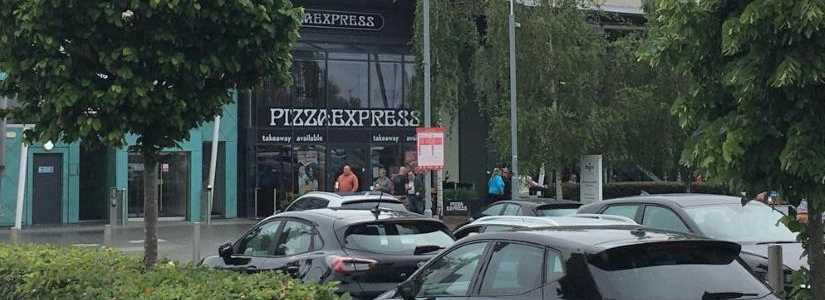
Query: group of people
{"x": 500, "y": 185}
{"x": 406, "y": 185}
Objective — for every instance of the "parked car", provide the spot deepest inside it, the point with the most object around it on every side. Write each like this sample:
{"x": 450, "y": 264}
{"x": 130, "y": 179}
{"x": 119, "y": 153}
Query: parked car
{"x": 368, "y": 252}
{"x": 623, "y": 263}
{"x": 752, "y": 224}
{"x": 357, "y": 200}
{"x": 510, "y": 223}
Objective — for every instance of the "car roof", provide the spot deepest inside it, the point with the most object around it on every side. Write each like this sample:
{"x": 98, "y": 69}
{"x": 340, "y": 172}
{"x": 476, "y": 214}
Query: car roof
{"x": 589, "y": 239}
{"x": 338, "y": 199}
{"x": 351, "y": 216}
{"x": 537, "y": 222}
{"x": 682, "y": 200}
{"x": 539, "y": 202}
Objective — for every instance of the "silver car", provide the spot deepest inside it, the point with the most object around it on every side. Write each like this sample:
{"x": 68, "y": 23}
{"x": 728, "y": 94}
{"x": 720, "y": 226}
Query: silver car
{"x": 509, "y": 223}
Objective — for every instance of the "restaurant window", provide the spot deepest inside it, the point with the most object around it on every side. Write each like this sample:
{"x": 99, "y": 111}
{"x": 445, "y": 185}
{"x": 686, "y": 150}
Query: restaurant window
{"x": 385, "y": 158}
{"x": 410, "y": 99}
{"x": 308, "y": 83}
{"x": 386, "y": 84}
{"x": 310, "y": 169}
{"x": 348, "y": 84}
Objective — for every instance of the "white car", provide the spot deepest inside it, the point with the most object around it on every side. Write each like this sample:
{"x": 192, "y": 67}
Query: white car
{"x": 509, "y": 223}
{"x": 357, "y": 200}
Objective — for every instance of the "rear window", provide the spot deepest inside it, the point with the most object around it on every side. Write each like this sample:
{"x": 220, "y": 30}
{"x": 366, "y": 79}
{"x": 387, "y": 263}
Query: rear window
{"x": 697, "y": 270}
{"x": 557, "y": 212}
{"x": 371, "y": 204}
{"x": 398, "y": 238}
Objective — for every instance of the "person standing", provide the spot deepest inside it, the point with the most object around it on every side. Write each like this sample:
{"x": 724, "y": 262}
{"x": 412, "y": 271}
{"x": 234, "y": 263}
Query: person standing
{"x": 415, "y": 191}
{"x": 347, "y": 182}
{"x": 508, "y": 183}
{"x": 383, "y": 183}
{"x": 495, "y": 186}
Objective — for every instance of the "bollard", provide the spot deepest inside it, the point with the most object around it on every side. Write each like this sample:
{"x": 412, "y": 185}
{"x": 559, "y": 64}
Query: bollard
{"x": 776, "y": 272}
{"x": 107, "y": 236}
{"x": 113, "y": 199}
{"x": 196, "y": 242}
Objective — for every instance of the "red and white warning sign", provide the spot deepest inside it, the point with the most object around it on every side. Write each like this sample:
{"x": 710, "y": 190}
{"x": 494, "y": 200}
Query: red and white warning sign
{"x": 430, "y": 148}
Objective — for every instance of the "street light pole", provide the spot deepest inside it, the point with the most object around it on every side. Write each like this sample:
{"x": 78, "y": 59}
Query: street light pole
{"x": 428, "y": 203}
{"x": 513, "y": 103}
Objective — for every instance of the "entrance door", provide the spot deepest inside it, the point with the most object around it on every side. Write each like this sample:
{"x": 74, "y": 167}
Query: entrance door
{"x": 173, "y": 185}
{"x": 353, "y": 155}
{"x": 48, "y": 188}
{"x": 274, "y": 179}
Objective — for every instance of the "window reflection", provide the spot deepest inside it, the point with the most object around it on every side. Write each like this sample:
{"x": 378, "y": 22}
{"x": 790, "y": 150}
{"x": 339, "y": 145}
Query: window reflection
{"x": 386, "y": 84}
{"x": 348, "y": 84}
{"x": 308, "y": 85}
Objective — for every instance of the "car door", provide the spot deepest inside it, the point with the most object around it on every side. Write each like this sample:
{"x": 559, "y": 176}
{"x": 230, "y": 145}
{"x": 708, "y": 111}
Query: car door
{"x": 513, "y": 271}
{"x": 660, "y": 217}
{"x": 294, "y": 252}
{"x": 254, "y": 248}
{"x": 453, "y": 275}
{"x": 628, "y": 210}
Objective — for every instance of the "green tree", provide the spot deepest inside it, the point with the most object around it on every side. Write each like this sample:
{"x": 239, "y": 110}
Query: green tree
{"x": 559, "y": 60}
{"x": 755, "y": 98}
{"x": 99, "y": 70}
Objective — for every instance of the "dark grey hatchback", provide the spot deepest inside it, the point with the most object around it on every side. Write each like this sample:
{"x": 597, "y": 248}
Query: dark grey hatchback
{"x": 620, "y": 262}
{"x": 368, "y": 252}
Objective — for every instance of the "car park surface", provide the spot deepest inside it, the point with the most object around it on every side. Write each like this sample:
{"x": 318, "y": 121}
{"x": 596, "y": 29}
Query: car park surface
{"x": 622, "y": 262}
{"x": 752, "y": 224}
{"x": 368, "y": 252}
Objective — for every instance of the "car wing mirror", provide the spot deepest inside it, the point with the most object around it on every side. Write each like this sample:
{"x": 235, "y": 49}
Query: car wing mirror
{"x": 225, "y": 250}
{"x": 407, "y": 289}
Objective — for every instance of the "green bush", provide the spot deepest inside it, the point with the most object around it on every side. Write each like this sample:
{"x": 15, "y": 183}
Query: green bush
{"x": 625, "y": 189}
{"x": 55, "y": 272}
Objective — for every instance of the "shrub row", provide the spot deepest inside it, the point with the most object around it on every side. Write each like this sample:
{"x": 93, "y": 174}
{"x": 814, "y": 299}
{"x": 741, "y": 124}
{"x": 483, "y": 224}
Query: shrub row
{"x": 55, "y": 272}
{"x": 624, "y": 189}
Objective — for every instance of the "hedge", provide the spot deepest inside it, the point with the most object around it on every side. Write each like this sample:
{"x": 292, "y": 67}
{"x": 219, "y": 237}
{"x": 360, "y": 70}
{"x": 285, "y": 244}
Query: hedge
{"x": 624, "y": 189}
{"x": 57, "y": 272}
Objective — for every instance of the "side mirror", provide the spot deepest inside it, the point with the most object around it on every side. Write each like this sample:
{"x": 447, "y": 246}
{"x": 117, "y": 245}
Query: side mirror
{"x": 225, "y": 250}
{"x": 407, "y": 290}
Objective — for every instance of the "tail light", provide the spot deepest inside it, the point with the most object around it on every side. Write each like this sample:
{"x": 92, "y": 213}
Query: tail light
{"x": 345, "y": 264}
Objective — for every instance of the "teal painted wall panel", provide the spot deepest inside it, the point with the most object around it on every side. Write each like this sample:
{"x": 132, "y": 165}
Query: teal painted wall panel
{"x": 8, "y": 190}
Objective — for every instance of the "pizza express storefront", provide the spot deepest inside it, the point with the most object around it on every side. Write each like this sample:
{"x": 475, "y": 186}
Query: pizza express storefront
{"x": 350, "y": 103}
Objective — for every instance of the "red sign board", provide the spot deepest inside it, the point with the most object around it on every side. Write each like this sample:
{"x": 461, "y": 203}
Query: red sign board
{"x": 430, "y": 148}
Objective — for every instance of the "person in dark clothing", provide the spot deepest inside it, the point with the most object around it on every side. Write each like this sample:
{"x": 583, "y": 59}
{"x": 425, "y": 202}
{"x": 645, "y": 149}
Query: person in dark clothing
{"x": 508, "y": 184}
{"x": 415, "y": 193}
{"x": 399, "y": 182}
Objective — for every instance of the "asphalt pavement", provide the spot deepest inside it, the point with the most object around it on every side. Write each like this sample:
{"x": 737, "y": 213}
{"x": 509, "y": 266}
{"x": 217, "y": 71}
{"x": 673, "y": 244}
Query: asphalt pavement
{"x": 175, "y": 238}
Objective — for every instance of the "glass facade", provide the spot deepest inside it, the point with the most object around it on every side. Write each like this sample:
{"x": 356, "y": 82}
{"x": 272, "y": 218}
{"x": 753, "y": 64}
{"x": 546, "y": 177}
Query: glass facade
{"x": 344, "y": 108}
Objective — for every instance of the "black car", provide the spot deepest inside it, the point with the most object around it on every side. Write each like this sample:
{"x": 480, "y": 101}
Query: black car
{"x": 368, "y": 252}
{"x": 625, "y": 262}
{"x": 752, "y": 224}
{"x": 542, "y": 208}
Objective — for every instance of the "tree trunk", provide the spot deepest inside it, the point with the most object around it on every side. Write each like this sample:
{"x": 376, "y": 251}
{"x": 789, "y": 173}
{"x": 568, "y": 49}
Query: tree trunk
{"x": 150, "y": 210}
{"x": 559, "y": 191}
{"x": 816, "y": 256}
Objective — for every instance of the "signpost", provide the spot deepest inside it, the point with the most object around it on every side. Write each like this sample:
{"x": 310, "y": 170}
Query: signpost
{"x": 430, "y": 148}
{"x": 591, "y": 179}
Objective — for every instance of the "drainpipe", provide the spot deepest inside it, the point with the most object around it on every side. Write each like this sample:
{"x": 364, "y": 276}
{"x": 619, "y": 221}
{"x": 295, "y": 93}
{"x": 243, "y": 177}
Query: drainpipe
{"x": 213, "y": 160}
{"x": 21, "y": 183}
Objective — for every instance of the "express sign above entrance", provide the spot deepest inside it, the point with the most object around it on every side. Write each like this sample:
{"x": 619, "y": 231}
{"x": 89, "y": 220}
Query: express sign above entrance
{"x": 342, "y": 20}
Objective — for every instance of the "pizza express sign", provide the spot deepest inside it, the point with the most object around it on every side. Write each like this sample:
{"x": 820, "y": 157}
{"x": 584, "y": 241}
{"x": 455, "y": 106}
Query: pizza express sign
{"x": 352, "y": 118}
{"x": 342, "y": 20}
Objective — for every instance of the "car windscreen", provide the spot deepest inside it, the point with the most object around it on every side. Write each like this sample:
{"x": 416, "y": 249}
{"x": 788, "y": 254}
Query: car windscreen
{"x": 371, "y": 204}
{"x": 556, "y": 212}
{"x": 398, "y": 238}
{"x": 754, "y": 222}
{"x": 674, "y": 270}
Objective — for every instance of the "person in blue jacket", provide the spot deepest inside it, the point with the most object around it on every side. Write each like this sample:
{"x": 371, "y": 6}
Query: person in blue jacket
{"x": 495, "y": 186}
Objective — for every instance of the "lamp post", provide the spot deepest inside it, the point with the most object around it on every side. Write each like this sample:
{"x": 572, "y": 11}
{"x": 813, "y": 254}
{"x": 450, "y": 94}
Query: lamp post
{"x": 513, "y": 103}
{"x": 428, "y": 203}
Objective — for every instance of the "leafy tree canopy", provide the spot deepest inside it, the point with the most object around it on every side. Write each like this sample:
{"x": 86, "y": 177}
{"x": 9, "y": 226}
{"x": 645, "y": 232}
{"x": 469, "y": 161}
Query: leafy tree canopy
{"x": 98, "y": 70}
{"x": 755, "y": 98}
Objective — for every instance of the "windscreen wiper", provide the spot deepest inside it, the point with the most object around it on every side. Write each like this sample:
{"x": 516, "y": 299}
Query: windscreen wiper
{"x": 776, "y": 242}
{"x": 726, "y": 295}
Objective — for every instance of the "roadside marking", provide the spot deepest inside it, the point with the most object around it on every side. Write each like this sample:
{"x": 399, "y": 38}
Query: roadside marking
{"x": 86, "y": 245}
{"x": 141, "y": 241}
